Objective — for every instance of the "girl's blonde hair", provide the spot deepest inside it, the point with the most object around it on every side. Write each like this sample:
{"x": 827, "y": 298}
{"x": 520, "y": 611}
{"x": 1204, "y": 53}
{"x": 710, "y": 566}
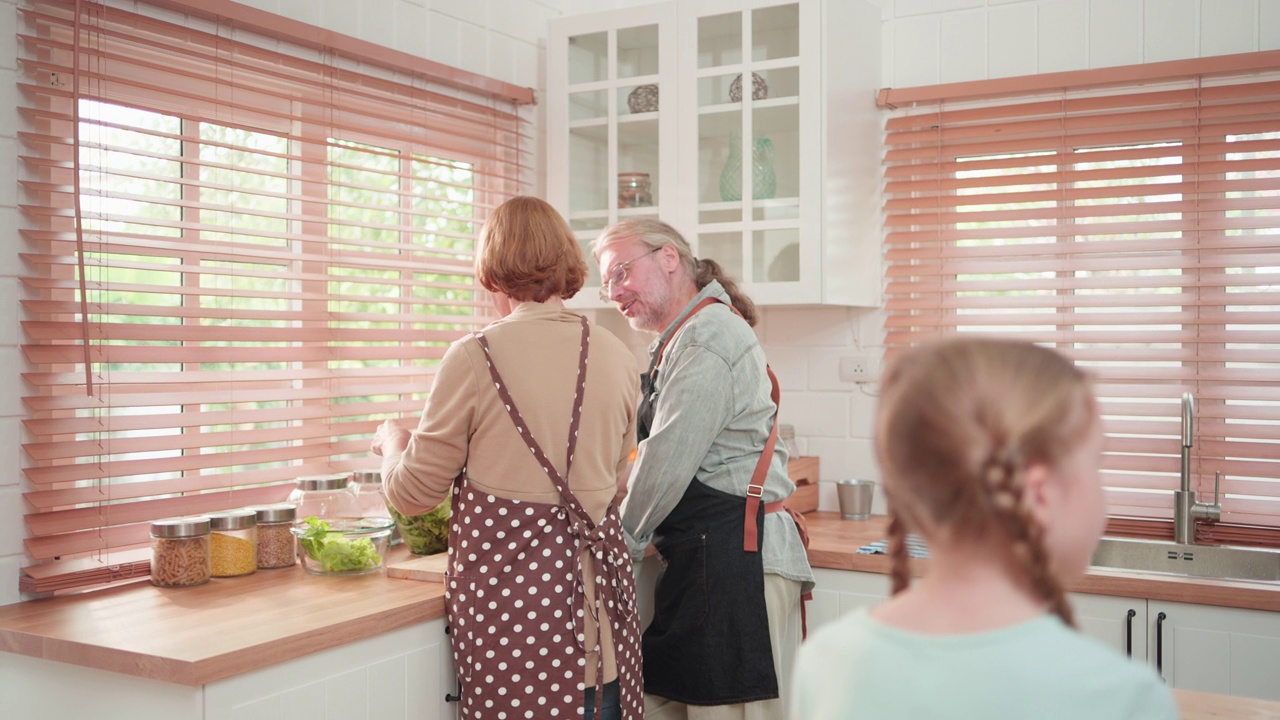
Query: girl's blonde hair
{"x": 655, "y": 234}
{"x": 958, "y": 422}
{"x": 527, "y": 251}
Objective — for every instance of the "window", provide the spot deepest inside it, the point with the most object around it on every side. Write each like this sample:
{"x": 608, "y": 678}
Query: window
{"x": 243, "y": 255}
{"x": 1136, "y": 228}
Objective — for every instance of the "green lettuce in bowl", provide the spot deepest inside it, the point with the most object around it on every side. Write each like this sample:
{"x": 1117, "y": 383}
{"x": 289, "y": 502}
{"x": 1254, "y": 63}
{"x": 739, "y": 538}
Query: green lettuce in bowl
{"x": 428, "y": 533}
{"x": 343, "y": 546}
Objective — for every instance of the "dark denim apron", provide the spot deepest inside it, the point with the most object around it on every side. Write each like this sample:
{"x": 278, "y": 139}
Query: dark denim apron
{"x": 708, "y": 643}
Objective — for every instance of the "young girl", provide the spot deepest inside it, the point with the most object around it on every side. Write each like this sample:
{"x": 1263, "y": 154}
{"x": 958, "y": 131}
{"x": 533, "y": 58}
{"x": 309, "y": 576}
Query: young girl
{"x": 990, "y": 450}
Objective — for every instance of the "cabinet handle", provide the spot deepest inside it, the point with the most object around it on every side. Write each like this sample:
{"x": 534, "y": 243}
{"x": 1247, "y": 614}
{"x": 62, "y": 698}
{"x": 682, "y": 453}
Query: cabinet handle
{"x": 1160, "y": 645}
{"x": 450, "y": 697}
{"x": 1128, "y": 632}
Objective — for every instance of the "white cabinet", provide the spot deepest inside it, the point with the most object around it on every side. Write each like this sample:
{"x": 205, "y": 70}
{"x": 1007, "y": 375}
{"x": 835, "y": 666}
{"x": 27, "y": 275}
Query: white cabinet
{"x": 1119, "y": 622}
{"x": 1222, "y": 650}
{"x": 763, "y": 149}
{"x": 838, "y": 592}
{"x": 401, "y": 674}
{"x": 1216, "y": 649}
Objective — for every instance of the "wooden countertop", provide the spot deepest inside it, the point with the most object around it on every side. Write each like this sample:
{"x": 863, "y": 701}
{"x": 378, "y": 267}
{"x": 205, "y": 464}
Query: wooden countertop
{"x": 228, "y": 626}
{"x": 833, "y": 543}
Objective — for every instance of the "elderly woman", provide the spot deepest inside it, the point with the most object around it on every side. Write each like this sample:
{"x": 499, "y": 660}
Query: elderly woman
{"x": 529, "y": 424}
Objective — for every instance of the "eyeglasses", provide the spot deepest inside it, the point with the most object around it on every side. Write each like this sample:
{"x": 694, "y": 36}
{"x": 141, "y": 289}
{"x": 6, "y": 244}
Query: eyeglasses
{"x": 619, "y": 274}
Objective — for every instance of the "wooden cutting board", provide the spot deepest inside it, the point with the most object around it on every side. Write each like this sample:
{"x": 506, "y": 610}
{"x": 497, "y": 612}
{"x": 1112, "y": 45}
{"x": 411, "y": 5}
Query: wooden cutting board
{"x": 427, "y": 567}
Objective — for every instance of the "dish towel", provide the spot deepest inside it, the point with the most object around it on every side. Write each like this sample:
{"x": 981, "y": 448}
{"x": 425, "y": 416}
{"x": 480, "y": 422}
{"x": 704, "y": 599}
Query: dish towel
{"x": 916, "y": 547}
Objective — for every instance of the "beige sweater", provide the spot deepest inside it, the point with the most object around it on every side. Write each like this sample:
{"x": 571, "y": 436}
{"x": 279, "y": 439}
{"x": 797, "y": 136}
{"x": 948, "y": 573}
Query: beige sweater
{"x": 535, "y": 348}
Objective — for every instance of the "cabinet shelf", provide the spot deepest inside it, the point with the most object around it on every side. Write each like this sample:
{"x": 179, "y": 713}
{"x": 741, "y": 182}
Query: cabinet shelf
{"x": 622, "y": 213}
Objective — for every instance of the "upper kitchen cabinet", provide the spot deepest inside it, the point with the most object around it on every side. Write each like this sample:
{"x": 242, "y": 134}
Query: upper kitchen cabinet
{"x": 611, "y": 144}
{"x": 754, "y": 123}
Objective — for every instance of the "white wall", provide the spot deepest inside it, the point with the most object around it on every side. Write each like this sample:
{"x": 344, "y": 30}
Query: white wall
{"x": 924, "y": 41}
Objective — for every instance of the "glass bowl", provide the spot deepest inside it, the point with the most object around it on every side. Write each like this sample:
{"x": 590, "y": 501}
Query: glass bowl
{"x": 343, "y": 546}
{"x": 428, "y": 533}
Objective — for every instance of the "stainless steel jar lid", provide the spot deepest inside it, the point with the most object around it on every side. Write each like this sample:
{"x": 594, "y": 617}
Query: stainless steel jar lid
{"x": 367, "y": 477}
{"x": 324, "y": 482}
{"x": 282, "y": 512}
{"x": 194, "y": 526}
{"x": 233, "y": 519}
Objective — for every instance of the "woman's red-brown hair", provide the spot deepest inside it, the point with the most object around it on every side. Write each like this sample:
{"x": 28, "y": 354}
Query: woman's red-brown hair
{"x": 528, "y": 252}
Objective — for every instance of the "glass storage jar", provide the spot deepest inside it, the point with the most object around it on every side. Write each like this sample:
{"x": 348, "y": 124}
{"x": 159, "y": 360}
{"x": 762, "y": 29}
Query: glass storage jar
{"x": 275, "y": 537}
{"x": 325, "y": 496}
{"x": 372, "y": 498}
{"x": 180, "y": 552}
{"x": 368, "y": 487}
{"x": 633, "y": 190}
{"x": 233, "y": 542}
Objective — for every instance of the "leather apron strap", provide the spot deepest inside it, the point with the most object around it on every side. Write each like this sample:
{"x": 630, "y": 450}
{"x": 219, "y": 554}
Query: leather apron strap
{"x": 755, "y": 490}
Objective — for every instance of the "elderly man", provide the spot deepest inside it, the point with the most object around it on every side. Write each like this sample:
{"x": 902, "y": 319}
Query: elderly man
{"x": 708, "y": 483}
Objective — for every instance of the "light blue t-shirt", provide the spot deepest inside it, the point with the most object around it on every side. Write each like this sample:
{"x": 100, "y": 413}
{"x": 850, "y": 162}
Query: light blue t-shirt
{"x": 858, "y": 668}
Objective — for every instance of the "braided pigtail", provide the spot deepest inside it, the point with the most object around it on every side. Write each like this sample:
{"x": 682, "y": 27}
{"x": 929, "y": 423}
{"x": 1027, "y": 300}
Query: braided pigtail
{"x": 899, "y": 571}
{"x": 1005, "y": 485}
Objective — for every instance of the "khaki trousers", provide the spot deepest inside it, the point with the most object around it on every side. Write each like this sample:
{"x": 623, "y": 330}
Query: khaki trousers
{"x": 782, "y": 601}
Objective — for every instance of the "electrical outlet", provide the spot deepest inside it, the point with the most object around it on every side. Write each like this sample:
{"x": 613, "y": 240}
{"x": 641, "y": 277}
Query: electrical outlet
{"x": 857, "y": 368}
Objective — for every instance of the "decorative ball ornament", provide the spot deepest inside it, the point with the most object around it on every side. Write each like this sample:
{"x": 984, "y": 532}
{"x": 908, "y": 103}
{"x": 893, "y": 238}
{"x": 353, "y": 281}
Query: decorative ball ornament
{"x": 643, "y": 99}
{"x": 759, "y": 88}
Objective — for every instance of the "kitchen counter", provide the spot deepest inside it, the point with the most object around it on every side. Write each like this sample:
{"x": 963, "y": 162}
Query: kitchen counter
{"x": 197, "y": 635}
{"x": 833, "y": 543}
{"x": 231, "y": 626}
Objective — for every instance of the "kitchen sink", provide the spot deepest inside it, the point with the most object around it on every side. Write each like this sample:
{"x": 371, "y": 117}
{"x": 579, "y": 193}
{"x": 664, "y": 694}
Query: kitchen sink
{"x": 1208, "y": 561}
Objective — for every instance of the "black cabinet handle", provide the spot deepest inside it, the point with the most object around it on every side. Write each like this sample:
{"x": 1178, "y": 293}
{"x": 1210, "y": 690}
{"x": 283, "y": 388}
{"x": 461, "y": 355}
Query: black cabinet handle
{"x": 1160, "y": 645}
{"x": 1128, "y": 632}
{"x": 450, "y": 697}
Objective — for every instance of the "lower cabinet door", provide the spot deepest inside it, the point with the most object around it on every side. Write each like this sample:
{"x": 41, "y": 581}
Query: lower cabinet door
{"x": 1215, "y": 649}
{"x": 1120, "y": 622}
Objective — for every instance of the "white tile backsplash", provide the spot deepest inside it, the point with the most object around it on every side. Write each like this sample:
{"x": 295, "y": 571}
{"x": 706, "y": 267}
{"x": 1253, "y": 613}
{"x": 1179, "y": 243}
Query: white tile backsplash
{"x": 473, "y": 48}
{"x": 807, "y": 326}
{"x": 1268, "y": 25}
{"x": 1227, "y": 26}
{"x": 816, "y": 415}
{"x": 916, "y": 49}
{"x": 524, "y": 20}
{"x": 11, "y": 533}
{"x": 412, "y": 29}
{"x": 1015, "y": 54}
{"x": 1169, "y": 30}
{"x": 1115, "y": 32}
{"x": 442, "y": 45}
{"x": 475, "y": 12}
{"x": 790, "y": 365}
{"x": 9, "y": 121}
{"x": 11, "y": 437}
{"x": 963, "y": 42}
{"x": 907, "y": 8}
{"x": 378, "y": 22}
{"x": 1062, "y": 36}
{"x": 8, "y": 36}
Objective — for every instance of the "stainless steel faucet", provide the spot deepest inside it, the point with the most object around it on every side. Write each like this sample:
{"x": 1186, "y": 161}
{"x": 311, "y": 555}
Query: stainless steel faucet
{"x": 1186, "y": 511}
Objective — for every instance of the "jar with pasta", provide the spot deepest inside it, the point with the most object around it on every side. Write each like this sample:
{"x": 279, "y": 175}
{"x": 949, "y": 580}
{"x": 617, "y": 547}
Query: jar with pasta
{"x": 233, "y": 542}
{"x": 275, "y": 539}
{"x": 180, "y": 552}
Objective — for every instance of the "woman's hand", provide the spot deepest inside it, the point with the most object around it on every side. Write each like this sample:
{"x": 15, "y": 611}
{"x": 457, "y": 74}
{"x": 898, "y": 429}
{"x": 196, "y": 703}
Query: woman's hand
{"x": 390, "y": 439}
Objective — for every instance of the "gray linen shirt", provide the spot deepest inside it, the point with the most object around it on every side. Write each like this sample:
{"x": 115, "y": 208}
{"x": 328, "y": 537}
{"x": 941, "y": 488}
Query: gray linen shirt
{"x": 712, "y": 416}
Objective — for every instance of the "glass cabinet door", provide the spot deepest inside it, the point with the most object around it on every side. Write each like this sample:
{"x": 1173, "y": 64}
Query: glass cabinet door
{"x": 613, "y": 158}
{"x": 748, "y": 99}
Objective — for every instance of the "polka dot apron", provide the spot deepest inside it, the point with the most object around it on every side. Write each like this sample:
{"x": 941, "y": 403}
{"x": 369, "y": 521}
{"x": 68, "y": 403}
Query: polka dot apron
{"x": 515, "y": 591}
